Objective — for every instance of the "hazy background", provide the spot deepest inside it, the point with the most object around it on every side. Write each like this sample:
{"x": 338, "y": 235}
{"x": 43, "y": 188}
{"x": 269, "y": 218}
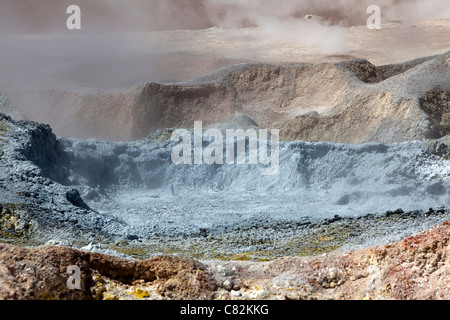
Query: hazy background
{"x": 115, "y": 49}
{"x": 124, "y": 42}
{"x": 35, "y": 16}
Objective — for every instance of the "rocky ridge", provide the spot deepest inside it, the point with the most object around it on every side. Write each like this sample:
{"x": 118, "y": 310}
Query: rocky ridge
{"x": 344, "y": 102}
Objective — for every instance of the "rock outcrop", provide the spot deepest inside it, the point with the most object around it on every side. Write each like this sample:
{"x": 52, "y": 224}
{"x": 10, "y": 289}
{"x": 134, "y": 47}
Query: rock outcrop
{"x": 41, "y": 274}
{"x": 414, "y": 268}
{"x": 7, "y": 108}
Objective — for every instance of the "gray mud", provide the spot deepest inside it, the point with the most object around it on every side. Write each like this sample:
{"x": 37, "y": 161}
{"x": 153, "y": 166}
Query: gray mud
{"x": 131, "y": 198}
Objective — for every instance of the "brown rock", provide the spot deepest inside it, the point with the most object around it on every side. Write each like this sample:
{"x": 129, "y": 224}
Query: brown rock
{"x": 42, "y": 274}
{"x": 349, "y": 102}
{"x": 414, "y": 268}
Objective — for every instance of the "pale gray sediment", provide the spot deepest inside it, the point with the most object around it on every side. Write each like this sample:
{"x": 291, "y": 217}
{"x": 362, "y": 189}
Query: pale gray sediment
{"x": 142, "y": 204}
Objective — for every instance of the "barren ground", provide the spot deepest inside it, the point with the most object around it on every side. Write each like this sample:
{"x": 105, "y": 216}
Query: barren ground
{"x": 373, "y": 138}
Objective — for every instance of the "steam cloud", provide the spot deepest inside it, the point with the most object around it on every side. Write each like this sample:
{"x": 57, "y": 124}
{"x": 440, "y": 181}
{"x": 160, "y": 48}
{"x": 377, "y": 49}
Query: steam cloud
{"x": 94, "y": 55}
{"x": 34, "y": 16}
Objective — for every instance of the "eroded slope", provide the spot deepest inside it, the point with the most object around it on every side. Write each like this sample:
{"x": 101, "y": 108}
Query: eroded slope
{"x": 350, "y": 102}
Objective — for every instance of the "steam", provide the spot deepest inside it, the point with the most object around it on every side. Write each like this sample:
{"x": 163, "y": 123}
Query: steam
{"x": 115, "y": 49}
{"x": 312, "y": 34}
{"x": 36, "y": 16}
{"x": 93, "y": 56}
{"x": 241, "y": 13}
